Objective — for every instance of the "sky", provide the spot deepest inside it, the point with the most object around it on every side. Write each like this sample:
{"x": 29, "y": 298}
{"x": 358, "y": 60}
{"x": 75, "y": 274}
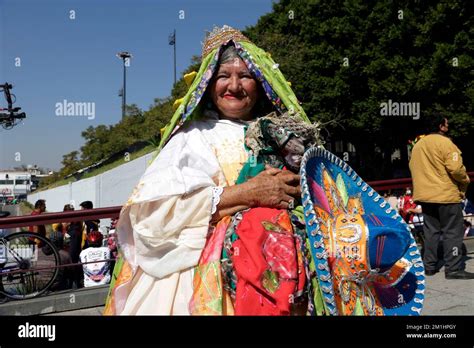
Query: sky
{"x": 63, "y": 50}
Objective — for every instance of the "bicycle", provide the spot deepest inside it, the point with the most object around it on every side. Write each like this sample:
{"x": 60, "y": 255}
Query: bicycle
{"x": 28, "y": 265}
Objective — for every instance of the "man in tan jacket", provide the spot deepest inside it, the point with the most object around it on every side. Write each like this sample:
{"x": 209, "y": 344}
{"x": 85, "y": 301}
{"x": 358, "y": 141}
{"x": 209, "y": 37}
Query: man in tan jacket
{"x": 439, "y": 184}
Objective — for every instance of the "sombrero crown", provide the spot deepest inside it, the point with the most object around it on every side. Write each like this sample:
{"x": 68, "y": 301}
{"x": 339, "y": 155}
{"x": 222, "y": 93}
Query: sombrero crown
{"x": 366, "y": 259}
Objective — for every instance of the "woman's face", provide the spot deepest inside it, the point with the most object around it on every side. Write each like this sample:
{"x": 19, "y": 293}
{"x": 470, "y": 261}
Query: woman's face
{"x": 234, "y": 90}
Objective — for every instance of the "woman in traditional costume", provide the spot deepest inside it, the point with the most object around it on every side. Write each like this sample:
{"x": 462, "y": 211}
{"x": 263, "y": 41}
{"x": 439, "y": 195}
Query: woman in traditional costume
{"x": 220, "y": 225}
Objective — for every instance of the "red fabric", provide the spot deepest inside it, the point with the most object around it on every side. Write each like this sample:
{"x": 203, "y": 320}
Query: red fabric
{"x": 407, "y": 203}
{"x": 258, "y": 250}
{"x": 41, "y": 229}
{"x": 301, "y": 271}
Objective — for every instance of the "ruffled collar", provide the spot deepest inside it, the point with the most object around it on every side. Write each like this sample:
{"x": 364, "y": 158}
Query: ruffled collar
{"x": 214, "y": 116}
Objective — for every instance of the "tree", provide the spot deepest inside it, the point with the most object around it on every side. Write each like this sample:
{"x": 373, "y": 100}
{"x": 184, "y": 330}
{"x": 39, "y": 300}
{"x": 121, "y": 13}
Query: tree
{"x": 133, "y": 110}
{"x": 70, "y": 163}
{"x": 97, "y": 143}
{"x": 345, "y": 58}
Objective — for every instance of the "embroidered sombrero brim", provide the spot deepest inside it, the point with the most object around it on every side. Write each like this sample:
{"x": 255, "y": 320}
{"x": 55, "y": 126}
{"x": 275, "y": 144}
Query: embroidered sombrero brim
{"x": 367, "y": 261}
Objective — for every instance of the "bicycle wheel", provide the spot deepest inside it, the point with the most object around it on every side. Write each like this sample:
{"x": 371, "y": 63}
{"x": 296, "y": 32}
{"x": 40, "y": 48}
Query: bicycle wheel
{"x": 28, "y": 265}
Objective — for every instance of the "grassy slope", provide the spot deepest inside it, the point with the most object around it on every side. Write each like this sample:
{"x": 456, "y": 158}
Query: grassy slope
{"x": 100, "y": 170}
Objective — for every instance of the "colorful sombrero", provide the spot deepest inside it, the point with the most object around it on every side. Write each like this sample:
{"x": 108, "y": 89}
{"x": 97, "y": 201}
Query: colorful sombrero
{"x": 366, "y": 258}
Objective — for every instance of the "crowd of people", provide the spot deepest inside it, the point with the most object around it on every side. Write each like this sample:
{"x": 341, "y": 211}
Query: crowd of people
{"x": 82, "y": 249}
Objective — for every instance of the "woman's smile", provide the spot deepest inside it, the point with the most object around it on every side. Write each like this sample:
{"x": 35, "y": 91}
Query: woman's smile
{"x": 234, "y": 90}
{"x": 231, "y": 97}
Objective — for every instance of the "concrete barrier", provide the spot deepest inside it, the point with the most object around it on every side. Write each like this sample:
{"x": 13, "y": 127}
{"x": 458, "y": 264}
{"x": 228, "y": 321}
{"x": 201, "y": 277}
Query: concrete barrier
{"x": 57, "y": 302}
{"x": 111, "y": 188}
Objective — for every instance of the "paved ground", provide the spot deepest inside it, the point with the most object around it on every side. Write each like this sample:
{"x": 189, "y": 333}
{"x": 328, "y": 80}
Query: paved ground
{"x": 450, "y": 297}
{"x": 68, "y": 301}
{"x": 85, "y": 311}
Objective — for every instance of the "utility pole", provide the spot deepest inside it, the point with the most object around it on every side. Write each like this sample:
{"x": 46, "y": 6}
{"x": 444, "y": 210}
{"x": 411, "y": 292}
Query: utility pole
{"x": 172, "y": 41}
{"x": 125, "y": 56}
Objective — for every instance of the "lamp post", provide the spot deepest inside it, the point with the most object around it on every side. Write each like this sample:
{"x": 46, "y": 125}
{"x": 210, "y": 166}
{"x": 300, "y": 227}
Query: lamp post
{"x": 172, "y": 42}
{"x": 125, "y": 56}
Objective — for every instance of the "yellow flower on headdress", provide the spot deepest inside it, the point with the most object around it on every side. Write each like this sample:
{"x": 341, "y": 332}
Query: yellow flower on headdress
{"x": 162, "y": 131}
{"x": 289, "y": 83}
{"x": 189, "y": 78}
{"x": 177, "y": 103}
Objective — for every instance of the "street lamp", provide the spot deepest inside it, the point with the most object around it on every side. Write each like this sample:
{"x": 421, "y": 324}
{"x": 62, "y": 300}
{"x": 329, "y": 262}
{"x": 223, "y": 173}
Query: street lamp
{"x": 172, "y": 42}
{"x": 125, "y": 56}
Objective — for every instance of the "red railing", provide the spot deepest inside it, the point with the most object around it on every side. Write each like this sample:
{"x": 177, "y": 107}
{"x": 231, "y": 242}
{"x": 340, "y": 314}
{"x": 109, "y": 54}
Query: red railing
{"x": 67, "y": 216}
{"x": 111, "y": 212}
{"x": 384, "y": 185}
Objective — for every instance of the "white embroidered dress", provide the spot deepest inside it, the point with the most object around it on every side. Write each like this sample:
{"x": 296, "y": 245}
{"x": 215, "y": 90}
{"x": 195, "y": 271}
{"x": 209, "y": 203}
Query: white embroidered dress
{"x": 163, "y": 228}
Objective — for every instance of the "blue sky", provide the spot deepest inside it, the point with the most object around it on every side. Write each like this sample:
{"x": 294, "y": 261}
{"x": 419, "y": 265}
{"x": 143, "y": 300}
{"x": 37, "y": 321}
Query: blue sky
{"x": 74, "y": 60}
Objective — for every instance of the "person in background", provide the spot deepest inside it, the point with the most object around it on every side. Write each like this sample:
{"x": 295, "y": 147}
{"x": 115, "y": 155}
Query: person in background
{"x": 468, "y": 230}
{"x": 468, "y": 207}
{"x": 406, "y": 206}
{"x": 74, "y": 236}
{"x": 392, "y": 200}
{"x": 62, "y": 226}
{"x": 89, "y": 225}
{"x": 416, "y": 225}
{"x": 97, "y": 273}
{"x": 112, "y": 243}
{"x": 440, "y": 182}
{"x": 40, "y": 208}
{"x": 64, "y": 278}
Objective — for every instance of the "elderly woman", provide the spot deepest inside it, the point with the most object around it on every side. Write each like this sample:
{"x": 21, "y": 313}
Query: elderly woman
{"x": 189, "y": 192}
{"x": 215, "y": 225}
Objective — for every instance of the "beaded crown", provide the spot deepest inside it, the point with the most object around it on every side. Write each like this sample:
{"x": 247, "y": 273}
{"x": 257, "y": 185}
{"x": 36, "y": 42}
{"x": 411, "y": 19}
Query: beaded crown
{"x": 218, "y": 36}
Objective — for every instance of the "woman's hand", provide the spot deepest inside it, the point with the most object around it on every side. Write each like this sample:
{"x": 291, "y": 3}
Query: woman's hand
{"x": 273, "y": 188}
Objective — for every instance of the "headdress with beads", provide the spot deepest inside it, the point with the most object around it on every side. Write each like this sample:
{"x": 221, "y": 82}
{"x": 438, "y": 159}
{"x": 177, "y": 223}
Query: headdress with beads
{"x": 218, "y": 36}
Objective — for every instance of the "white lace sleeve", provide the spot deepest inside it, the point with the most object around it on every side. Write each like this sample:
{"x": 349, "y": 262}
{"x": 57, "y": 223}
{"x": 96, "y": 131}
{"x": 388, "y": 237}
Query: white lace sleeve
{"x": 216, "y": 197}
